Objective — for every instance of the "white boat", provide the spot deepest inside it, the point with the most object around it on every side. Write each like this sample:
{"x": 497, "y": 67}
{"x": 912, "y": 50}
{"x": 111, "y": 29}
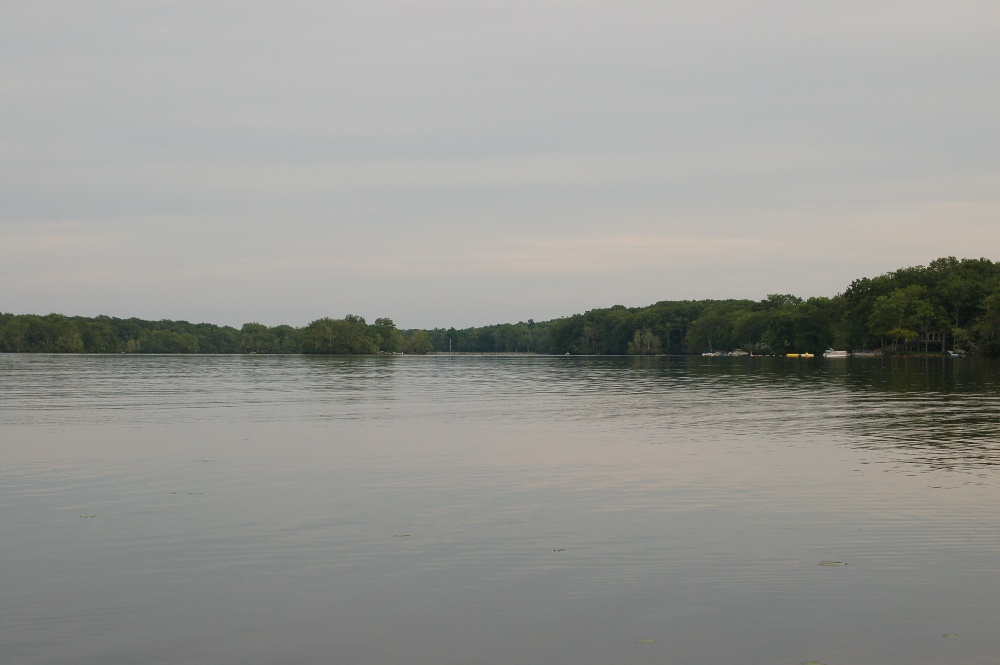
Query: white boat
{"x": 830, "y": 353}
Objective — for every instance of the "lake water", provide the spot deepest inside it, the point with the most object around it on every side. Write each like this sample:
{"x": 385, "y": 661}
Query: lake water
{"x": 481, "y": 510}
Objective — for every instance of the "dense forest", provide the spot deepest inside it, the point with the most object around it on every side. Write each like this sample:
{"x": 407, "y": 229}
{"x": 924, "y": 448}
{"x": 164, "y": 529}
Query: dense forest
{"x": 55, "y": 333}
{"x": 949, "y": 304}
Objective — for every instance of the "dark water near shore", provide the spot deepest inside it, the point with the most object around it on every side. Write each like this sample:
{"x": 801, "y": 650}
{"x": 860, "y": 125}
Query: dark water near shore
{"x": 489, "y": 510}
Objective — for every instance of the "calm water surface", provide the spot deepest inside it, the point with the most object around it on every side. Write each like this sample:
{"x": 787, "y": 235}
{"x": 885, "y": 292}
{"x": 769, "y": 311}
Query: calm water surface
{"x": 489, "y": 510}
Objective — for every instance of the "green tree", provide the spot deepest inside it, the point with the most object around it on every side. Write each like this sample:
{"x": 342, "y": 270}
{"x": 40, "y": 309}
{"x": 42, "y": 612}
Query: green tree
{"x": 711, "y": 331}
{"x": 257, "y": 338}
{"x": 902, "y": 313}
{"x": 169, "y": 341}
{"x": 14, "y": 335}
{"x": 389, "y": 337}
{"x": 780, "y": 335}
{"x": 98, "y": 335}
{"x": 749, "y": 328}
{"x": 349, "y": 335}
{"x": 417, "y": 342}
{"x": 70, "y": 340}
{"x": 988, "y": 325}
{"x": 644, "y": 343}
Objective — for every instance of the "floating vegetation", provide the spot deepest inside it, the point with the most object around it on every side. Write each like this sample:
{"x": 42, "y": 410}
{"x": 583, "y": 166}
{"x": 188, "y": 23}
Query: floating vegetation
{"x": 812, "y": 662}
{"x": 831, "y": 564}
{"x": 561, "y": 549}
{"x": 645, "y": 641}
{"x": 400, "y": 535}
{"x": 88, "y": 516}
{"x": 950, "y": 635}
{"x": 189, "y": 493}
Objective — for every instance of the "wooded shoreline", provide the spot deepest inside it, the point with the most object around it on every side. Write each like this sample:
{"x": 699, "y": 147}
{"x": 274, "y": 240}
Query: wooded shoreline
{"x": 950, "y": 304}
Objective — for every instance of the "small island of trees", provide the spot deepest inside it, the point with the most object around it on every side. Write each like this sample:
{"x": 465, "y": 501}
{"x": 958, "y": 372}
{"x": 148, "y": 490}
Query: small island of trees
{"x": 946, "y": 305}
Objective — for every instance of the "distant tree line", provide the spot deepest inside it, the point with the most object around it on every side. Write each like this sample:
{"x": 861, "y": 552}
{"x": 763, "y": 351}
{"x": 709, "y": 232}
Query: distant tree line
{"x": 56, "y": 333}
{"x": 518, "y": 337}
{"x": 951, "y": 303}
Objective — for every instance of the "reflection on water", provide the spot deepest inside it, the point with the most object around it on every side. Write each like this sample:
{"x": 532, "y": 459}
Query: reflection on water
{"x": 498, "y": 509}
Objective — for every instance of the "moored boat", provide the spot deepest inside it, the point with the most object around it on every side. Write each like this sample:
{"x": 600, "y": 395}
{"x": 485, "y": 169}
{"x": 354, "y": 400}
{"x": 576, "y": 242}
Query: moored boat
{"x": 830, "y": 353}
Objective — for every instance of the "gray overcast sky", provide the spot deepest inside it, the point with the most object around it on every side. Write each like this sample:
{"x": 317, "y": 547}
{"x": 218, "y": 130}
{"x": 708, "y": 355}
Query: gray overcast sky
{"x": 469, "y": 162}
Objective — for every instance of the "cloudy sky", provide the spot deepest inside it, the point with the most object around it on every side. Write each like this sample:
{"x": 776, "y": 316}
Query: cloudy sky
{"x": 464, "y": 162}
